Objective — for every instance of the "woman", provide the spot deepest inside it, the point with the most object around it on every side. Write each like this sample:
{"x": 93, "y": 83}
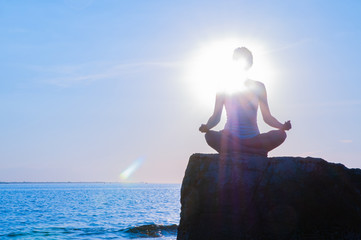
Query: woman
{"x": 241, "y": 132}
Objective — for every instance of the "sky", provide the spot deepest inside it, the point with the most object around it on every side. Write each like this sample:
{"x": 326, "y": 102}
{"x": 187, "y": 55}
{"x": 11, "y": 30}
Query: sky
{"x": 111, "y": 90}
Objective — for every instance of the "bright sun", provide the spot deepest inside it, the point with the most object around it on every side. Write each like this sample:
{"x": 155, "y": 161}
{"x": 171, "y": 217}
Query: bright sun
{"x": 211, "y": 68}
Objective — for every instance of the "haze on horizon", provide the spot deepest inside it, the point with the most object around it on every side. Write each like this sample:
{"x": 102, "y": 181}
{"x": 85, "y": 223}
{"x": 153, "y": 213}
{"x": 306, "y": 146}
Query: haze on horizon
{"x": 96, "y": 90}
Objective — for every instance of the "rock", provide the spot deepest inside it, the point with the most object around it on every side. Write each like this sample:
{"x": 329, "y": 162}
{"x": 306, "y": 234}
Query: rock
{"x": 255, "y": 197}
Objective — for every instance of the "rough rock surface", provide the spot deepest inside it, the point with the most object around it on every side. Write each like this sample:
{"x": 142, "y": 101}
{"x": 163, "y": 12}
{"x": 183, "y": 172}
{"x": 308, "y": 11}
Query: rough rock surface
{"x": 253, "y": 197}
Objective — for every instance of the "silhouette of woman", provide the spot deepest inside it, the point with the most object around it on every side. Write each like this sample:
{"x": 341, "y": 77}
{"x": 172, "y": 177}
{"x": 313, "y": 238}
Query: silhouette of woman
{"x": 241, "y": 132}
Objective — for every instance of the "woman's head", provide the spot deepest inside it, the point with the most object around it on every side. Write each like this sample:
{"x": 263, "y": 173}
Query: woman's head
{"x": 244, "y": 56}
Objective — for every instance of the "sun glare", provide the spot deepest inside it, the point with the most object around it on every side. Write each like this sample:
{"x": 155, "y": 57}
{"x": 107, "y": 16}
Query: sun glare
{"x": 211, "y": 68}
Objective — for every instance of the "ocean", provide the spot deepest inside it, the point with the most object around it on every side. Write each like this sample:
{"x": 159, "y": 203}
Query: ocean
{"x": 89, "y": 211}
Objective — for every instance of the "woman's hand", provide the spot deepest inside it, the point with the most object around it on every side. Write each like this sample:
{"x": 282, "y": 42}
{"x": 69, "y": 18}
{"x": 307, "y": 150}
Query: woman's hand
{"x": 203, "y": 128}
{"x": 287, "y": 126}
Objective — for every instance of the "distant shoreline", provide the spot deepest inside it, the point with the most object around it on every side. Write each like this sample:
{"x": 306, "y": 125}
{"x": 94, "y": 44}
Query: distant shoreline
{"x": 83, "y": 182}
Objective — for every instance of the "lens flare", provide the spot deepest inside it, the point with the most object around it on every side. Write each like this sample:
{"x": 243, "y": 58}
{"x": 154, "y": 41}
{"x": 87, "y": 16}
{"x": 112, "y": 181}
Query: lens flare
{"x": 131, "y": 169}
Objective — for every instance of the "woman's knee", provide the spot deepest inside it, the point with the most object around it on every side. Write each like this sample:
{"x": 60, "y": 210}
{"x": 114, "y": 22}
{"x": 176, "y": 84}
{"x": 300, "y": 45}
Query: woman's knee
{"x": 210, "y": 136}
{"x": 213, "y": 140}
{"x": 282, "y": 135}
{"x": 278, "y": 136}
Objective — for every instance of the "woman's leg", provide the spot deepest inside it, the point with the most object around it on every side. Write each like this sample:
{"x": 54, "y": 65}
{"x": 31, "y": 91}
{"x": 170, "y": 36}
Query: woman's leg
{"x": 262, "y": 144}
{"x": 217, "y": 140}
{"x": 265, "y": 141}
{"x": 213, "y": 139}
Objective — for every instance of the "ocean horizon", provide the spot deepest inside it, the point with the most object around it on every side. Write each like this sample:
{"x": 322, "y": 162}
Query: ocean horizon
{"x": 89, "y": 210}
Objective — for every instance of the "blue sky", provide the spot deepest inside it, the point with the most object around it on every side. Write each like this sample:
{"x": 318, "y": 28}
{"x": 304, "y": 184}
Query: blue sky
{"x": 88, "y": 87}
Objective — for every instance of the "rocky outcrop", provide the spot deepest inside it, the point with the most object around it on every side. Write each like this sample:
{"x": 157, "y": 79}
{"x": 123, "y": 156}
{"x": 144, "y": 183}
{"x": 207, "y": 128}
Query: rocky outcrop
{"x": 253, "y": 197}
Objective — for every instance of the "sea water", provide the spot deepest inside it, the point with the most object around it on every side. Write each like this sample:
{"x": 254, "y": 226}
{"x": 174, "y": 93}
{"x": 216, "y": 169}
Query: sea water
{"x": 89, "y": 211}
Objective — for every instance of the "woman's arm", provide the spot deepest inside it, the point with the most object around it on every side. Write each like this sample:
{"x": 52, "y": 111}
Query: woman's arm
{"x": 216, "y": 116}
{"x": 266, "y": 113}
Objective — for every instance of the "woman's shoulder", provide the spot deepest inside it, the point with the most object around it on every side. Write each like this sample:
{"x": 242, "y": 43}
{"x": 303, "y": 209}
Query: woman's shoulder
{"x": 257, "y": 87}
{"x": 256, "y": 84}
{"x": 220, "y": 95}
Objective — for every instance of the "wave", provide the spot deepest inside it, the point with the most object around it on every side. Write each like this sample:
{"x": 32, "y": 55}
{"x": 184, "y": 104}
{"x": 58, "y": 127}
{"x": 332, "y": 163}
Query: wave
{"x": 151, "y": 230}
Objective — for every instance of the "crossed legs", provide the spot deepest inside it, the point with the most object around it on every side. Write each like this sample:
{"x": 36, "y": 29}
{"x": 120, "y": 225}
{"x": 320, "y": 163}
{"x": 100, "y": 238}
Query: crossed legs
{"x": 261, "y": 144}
